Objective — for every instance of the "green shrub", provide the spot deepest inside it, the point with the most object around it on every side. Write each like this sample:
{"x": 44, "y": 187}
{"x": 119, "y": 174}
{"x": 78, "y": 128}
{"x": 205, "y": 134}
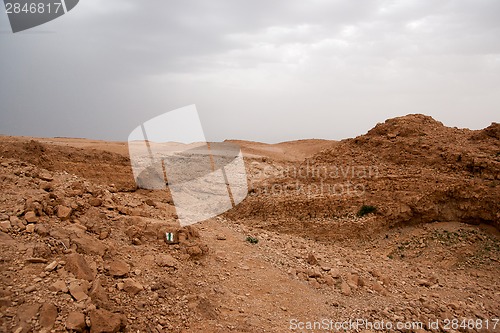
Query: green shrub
{"x": 252, "y": 240}
{"x": 366, "y": 209}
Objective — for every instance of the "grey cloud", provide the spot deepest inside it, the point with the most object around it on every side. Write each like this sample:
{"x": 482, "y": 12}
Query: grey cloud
{"x": 316, "y": 68}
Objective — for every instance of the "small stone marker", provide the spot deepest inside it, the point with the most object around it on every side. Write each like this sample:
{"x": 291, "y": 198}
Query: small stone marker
{"x": 171, "y": 237}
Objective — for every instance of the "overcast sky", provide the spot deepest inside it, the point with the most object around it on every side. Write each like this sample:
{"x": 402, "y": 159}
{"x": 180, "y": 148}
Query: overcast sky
{"x": 257, "y": 70}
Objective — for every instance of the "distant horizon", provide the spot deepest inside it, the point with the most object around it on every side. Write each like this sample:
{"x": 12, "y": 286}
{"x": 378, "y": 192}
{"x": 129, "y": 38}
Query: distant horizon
{"x": 238, "y": 139}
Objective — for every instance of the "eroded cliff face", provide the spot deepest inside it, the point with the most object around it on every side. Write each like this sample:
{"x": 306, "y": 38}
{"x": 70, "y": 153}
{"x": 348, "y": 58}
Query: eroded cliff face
{"x": 413, "y": 169}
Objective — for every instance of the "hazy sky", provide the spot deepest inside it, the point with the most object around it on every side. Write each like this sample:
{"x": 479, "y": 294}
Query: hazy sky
{"x": 257, "y": 70}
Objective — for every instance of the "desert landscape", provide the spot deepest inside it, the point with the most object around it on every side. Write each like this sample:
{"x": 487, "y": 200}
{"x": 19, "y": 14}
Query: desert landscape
{"x": 394, "y": 230}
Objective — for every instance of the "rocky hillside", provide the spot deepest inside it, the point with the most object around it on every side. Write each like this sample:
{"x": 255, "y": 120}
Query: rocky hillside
{"x": 412, "y": 169}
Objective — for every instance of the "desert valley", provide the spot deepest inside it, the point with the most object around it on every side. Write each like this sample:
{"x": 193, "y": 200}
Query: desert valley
{"x": 399, "y": 226}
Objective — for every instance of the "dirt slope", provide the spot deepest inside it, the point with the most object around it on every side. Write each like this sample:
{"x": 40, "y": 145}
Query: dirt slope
{"x": 284, "y": 151}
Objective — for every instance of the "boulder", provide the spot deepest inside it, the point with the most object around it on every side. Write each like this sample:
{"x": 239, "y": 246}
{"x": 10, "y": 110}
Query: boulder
{"x": 103, "y": 321}
{"x": 166, "y": 260}
{"x": 95, "y": 202}
{"x": 118, "y": 268}
{"x": 45, "y": 176}
{"x": 41, "y": 230}
{"x": 31, "y": 217}
{"x": 353, "y": 280}
{"x": 345, "y": 289}
{"x": 48, "y": 315}
{"x": 5, "y": 226}
{"x": 63, "y": 212}
{"x": 25, "y": 314}
{"x": 132, "y": 287}
{"x": 78, "y": 291}
{"x": 329, "y": 280}
{"x": 78, "y": 266}
{"x": 88, "y": 245}
{"x": 59, "y": 286}
{"x": 76, "y": 321}
{"x": 98, "y": 294}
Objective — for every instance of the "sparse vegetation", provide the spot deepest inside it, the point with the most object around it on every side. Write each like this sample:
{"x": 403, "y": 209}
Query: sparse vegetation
{"x": 252, "y": 240}
{"x": 366, "y": 209}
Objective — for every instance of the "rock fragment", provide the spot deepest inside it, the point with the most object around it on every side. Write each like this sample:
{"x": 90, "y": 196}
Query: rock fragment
{"x": 78, "y": 291}
{"x": 50, "y": 267}
{"x": 132, "y": 287}
{"x": 5, "y": 226}
{"x": 118, "y": 268}
{"x": 345, "y": 289}
{"x": 76, "y": 321}
{"x": 166, "y": 260}
{"x": 31, "y": 217}
{"x": 30, "y": 228}
{"x": 59, "y": 286}
{"x": 78, "y": 266}
{"x": 103, "y": 321}
{"x": 63, "y": 212}
{"x": 98, "y": 294}
{"x": 311, "y": 259}
{"x": 48, "y": 315}
{"x": 95, "y": 202}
